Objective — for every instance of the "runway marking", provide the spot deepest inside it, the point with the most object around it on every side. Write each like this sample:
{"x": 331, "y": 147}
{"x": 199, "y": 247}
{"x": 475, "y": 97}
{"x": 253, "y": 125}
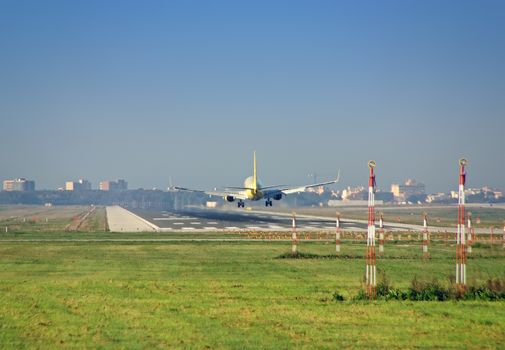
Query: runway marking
{"x": 210, "y": 228}
{"x": 231, "y": 228}
{"x": 254, "y": 227}
{"x": 212, "y": 222}
{"x": 165, "y": 228}
{"x": 169, "y": 219}
{"x": 178, "y": 223}
{"x": 188, "y": 228}
{"x": 195, "y": 223}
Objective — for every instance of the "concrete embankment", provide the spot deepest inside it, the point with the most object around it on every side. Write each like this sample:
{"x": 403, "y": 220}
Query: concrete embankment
{"x": 122, "y": 220}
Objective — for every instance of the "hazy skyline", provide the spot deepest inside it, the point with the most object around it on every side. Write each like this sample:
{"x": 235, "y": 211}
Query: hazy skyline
{"x": 148, "y": 91}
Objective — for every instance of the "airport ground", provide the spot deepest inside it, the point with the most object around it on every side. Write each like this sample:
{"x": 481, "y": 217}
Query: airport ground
{"x": 483, "y": 215}
{"x": 231, "y": 295}
{"x": 93, "y": 219}
{"x": 80, "y": 289}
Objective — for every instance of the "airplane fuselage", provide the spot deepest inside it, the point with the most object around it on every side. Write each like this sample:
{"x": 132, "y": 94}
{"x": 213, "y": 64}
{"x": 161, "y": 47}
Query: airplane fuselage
{"x": 251, "y": 194}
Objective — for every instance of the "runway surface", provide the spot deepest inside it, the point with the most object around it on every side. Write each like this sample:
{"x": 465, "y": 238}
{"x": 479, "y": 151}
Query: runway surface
{"x": 230, "y": 220}
{"x": 122, "y": 220}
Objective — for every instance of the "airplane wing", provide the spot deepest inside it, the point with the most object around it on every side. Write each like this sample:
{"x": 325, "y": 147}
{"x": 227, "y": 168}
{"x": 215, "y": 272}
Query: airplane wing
{"x": 304, "y": 188}
{"x": 250, "y": 188}
{"x": 237, "y": 195}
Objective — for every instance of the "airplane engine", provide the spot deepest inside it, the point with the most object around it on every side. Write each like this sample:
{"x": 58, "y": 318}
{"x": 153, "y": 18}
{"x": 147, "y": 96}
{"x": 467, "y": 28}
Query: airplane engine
{"x": 277, "y": 196}
{"x": 229, "y": 198}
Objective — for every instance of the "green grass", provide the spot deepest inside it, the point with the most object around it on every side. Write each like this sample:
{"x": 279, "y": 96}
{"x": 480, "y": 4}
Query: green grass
{"x": 42, "y": 220}
{"x": 232, "y": 295}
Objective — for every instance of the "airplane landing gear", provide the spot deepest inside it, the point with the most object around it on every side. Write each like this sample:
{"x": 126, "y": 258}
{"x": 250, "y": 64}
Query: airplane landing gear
{"x": 240, "y": 204}
{"x": 268, "y": 202}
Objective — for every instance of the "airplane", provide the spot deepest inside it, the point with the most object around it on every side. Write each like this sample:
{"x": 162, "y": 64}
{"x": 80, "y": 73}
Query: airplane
{"x": 254, "y": 190}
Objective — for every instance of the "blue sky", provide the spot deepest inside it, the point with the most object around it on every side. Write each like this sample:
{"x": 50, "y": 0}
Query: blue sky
{"x": 152, "y": 90}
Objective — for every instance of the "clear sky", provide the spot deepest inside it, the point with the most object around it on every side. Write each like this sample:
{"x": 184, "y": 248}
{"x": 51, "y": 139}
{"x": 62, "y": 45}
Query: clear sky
{"x": 152, "y": 90}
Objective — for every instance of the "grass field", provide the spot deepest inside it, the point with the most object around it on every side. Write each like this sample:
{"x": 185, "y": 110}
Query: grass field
{"x": 40, "y": 219}
{"x": 232, "y": 295}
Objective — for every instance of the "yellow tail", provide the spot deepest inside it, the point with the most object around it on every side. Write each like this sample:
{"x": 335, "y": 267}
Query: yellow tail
{"x": 255, "y": 179}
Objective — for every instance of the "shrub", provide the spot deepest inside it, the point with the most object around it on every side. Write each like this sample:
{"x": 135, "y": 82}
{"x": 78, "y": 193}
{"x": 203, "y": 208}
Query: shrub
{"x": 493, "y": 289}
{"x": 427, "y": 291}
{"x": 383, "y": 286}
{"x": 337, "y": 296}
{"x": 298, "y": 255}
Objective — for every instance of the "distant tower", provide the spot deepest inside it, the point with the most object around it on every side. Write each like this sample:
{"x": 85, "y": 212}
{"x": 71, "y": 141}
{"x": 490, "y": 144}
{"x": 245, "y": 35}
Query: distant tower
{"x": 371, "y": 268}
{"x": 461, "y": 237}
{"x": 314, "y": 177}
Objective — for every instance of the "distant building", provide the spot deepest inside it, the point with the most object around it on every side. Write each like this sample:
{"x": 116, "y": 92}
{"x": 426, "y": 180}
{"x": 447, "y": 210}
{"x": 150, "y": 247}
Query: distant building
{"x": 119, "y": 185}
{"x": 477, "y": 195}
{"x": 318, "y": 190}
{"x": 20, "y": 184}
{"x": 355, "y": 193}
{"x": 351, "y": 203}
{"x": 411, "y": 188}
{"x": 492, "y": 192}
{"x": 122, "y": 185}
{"x": 384, "y": 196}
{"x": 439, "y": 197}
{"x": 80, "y": 185}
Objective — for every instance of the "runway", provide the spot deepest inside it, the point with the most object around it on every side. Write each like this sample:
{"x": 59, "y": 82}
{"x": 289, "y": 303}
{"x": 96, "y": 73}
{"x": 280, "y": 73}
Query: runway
{"x": 198, "y": 220}
{"x": 235, "y": 220}
{"x": 122, "y": 220}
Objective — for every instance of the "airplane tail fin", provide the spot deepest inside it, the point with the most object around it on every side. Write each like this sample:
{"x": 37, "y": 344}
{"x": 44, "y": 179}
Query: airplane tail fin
{"x": 255, "y": 178}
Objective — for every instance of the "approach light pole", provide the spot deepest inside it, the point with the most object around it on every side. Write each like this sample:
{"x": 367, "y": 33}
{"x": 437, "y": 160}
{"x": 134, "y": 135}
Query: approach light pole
{"x": 337, "y": 234}
{"x": 461, "y": 237}
{"x": 294, "y": 239}
{"x": 371, "y": 260}
{"x": 426, "y": 254}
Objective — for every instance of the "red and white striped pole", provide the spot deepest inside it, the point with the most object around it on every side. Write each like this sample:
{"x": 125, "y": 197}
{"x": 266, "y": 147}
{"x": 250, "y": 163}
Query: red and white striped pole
{"x": 381, "y": 235}
{"x": 461, "y": 237}
{"x": 371, "y": 267}
{"x": 470, "y": 233}
{"x": 294, "y": 240}
{"x": 337, "y": 234}
{"x": 426, "y": 254}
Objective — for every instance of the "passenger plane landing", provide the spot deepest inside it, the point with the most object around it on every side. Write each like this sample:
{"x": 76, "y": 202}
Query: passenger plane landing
{"x": 253, "y": 190}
